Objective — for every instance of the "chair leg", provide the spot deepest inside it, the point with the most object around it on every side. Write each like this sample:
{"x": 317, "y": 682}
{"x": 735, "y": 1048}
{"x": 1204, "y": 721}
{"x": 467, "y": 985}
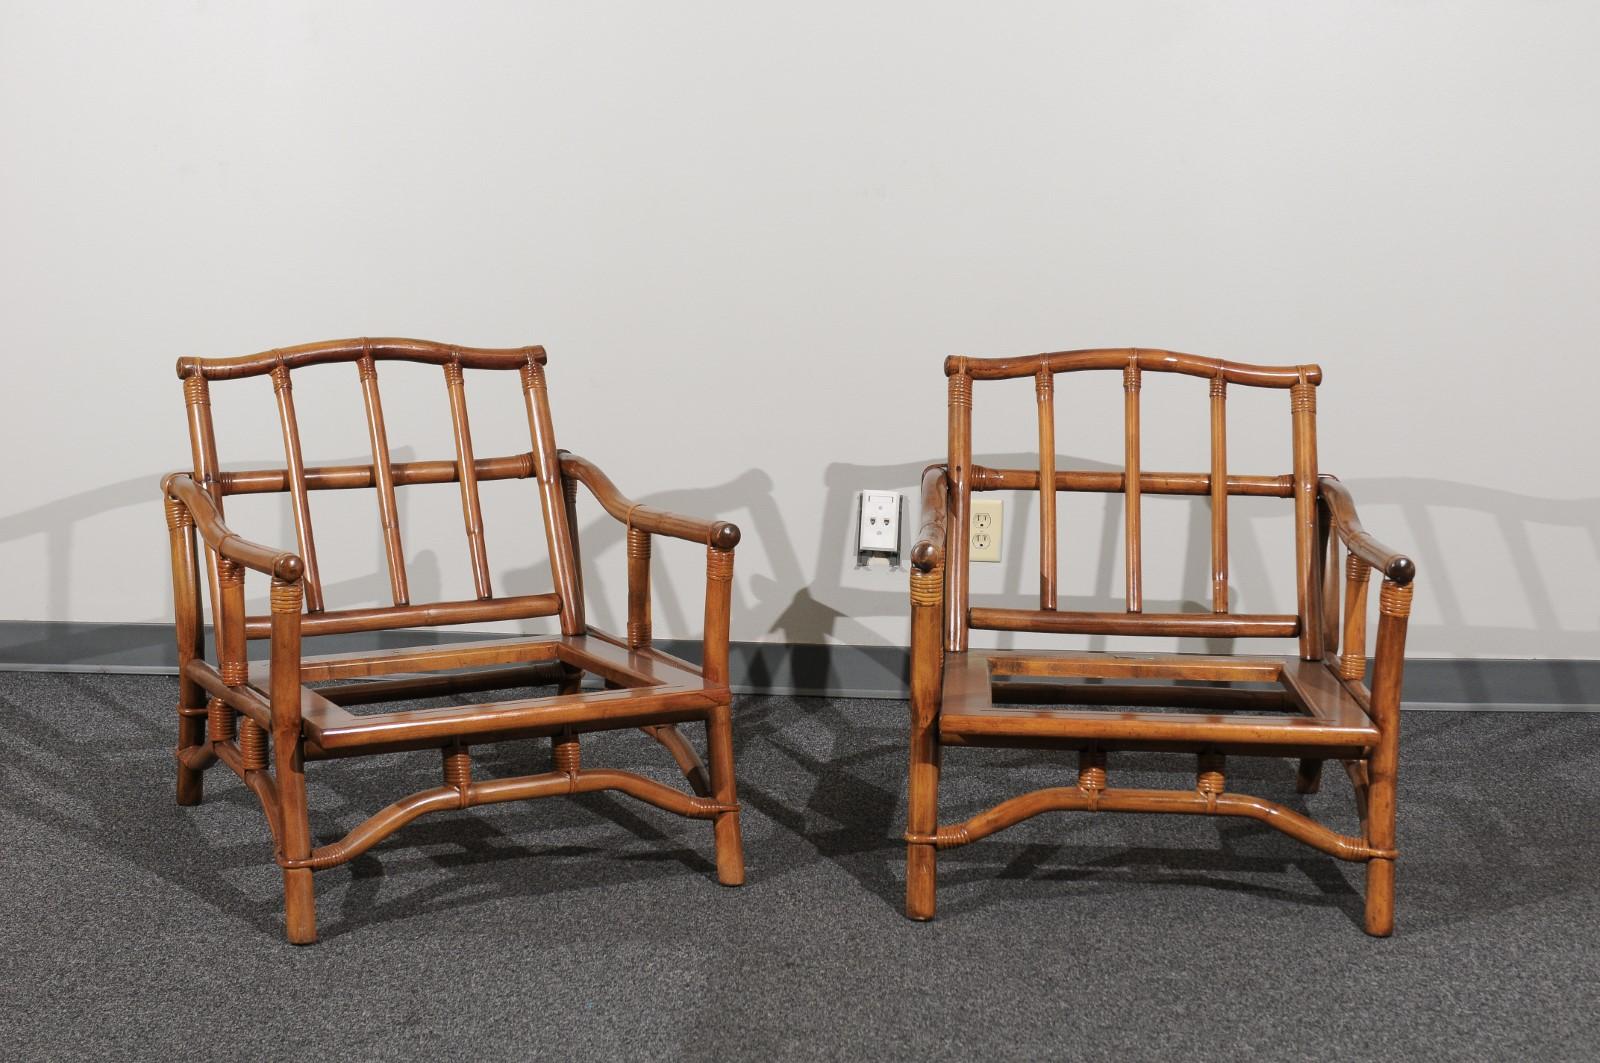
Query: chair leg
{"x": 1381, "y": 833}
{"x": 730, "y": 842}
{"x": 1308, "y": 779}
{"x": 683, "y": 753}
{"x": 191, "y": 733}
{"x": 922, "y": 817}
{"x": 299, "y": 897}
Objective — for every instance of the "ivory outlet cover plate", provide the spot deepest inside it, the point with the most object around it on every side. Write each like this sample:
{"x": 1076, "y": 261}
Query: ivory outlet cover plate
{"x": 983, "y": 542}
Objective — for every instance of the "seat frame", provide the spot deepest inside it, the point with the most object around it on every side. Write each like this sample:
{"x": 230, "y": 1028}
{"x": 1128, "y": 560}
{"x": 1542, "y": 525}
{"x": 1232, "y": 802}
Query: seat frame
{"x": 1316, "y": 706}
{"x": 265, "y": 720}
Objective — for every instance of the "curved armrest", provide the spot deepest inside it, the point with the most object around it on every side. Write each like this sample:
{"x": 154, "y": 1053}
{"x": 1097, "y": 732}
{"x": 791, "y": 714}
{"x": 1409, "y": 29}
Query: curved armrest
{"x": 208, "y": 521}
{"x": 928, "y": 553}
{"x": 1395, "y": 566}
{"x": 717, "y": 533}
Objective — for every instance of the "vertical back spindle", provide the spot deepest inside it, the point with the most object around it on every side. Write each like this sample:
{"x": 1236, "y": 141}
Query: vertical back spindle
{"x": 638, "y": 589}
{"x": 569, "y": 489}
{"x": 959, "y": 469}
{"x": 1353, "y": 662}
{"x": 383, "y": 479}
{"x": 298, "y": 499}
{"x": 558, "y": 533}
{"x": 203, "y": 447}
{"x": 1044, "y": 390}
{"x": 1219, "y": 494}
{"x": 467, "y": 474}
{"x": 1308, "y": 566}
{"x": 1131, "y": 486}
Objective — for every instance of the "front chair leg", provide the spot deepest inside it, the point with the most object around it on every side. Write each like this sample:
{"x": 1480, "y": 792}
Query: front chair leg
{"x": 289, "y": 765}
{"x": 922, "y": 798}
{"x": 730, "y": 841}
{"x": 299, "y": 893}
{"x": 923, "y": 820}
{"x": 1394, "y": 607}
{"x": 1308, "y": 778}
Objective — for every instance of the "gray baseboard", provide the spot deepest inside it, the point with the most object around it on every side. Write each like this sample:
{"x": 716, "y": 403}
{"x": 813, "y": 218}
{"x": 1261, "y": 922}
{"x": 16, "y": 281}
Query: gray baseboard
{"x": 779, "y": 668}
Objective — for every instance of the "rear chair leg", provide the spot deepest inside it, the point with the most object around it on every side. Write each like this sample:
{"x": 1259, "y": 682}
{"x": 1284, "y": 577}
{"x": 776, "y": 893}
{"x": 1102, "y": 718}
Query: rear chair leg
{"x": 191, "y": 735}
{"x": 1308, "y": 779}
{"x": 694, "y": 771}
{"x": 730, "y": 843}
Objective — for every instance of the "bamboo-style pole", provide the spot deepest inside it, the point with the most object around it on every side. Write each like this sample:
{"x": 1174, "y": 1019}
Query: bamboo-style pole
{"x": 1394, "y": 610}
{"x": 1191, "y": 802}
{"x": 296, "y": 472}
{"x": 1262, "y": 376}
{"x": 922, "y": 815}
{"x": 1131, "y": 486}
{"x": 1308, "y": 566}
{"x": 355, "y": 477}
{"x": 383, "y": 478}
{"x": 1114, "y": 481}
{"x": 288, "y": 755}
{"x": 719, "y": 719}
{"x": 203, "y": 448}
{"x": 231, "y": 663}
{"x": 958, "y": 469}
{"x": 191, "y": 645}
{"x": 1044, "y": 389}
{"x": 547, "y": 465}
{"x": 569, "y": 492}
{"x": 1190, "y": 625}
{"x": 1353, "y": 661}
{"x": 1219, "y": 494}
{"x": 466, "y": 474}
{"x": 638, "y": 589}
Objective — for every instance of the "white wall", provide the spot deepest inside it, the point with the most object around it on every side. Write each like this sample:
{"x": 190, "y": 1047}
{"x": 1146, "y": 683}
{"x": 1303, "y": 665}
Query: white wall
{"x": 749, "y": 235}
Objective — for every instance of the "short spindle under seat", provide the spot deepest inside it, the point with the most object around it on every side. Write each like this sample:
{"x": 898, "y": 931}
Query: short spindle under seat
{"x": 264, "y": 720}
{"x": 1312, "y": 706}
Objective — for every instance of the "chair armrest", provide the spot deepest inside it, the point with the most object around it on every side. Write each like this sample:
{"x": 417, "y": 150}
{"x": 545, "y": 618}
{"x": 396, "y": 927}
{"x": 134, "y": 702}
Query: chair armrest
{"x": 716, "y": 533}
{"x": 928, "y": 552}
{"x": 1395, "y": 566}
{"x": 208, "y": 521}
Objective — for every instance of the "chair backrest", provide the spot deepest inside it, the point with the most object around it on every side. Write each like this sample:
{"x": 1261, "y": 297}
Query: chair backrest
{"x": 384, "y": 476}
{"x": 1133, "y": 481}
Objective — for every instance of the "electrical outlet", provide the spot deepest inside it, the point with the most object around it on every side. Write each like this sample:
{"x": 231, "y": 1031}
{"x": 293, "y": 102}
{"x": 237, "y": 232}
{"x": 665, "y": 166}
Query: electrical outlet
{"x": 983, "y": 542}
{"x": 880, "y": 522}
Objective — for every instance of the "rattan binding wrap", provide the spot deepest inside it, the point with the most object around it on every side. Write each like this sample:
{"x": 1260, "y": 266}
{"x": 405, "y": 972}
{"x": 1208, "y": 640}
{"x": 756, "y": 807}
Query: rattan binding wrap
{"x": 1394, "y": 600}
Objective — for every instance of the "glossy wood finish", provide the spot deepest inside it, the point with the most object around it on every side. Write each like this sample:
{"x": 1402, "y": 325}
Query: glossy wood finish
{"x": 265, "y": 722}
{"x": 1312, "y": 707}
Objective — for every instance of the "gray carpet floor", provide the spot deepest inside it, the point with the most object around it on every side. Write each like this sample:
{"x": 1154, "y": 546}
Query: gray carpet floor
{"x": 593, "y": 927}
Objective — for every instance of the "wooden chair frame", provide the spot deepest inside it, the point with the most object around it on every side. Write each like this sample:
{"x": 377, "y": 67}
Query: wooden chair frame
{"x": 227, "y": 711}
{"x": 953, "y": 688}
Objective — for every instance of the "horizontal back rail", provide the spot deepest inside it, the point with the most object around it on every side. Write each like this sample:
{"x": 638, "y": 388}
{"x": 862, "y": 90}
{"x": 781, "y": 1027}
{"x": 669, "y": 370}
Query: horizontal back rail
{"x": 1114, "y": 481}
{"x": 1154, "y": 361}
{"x": 354, "y": 350}
{"x": 431, "y": 614}
{"x": 349, "y": 477}
{"x": 1178, "y": 625}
